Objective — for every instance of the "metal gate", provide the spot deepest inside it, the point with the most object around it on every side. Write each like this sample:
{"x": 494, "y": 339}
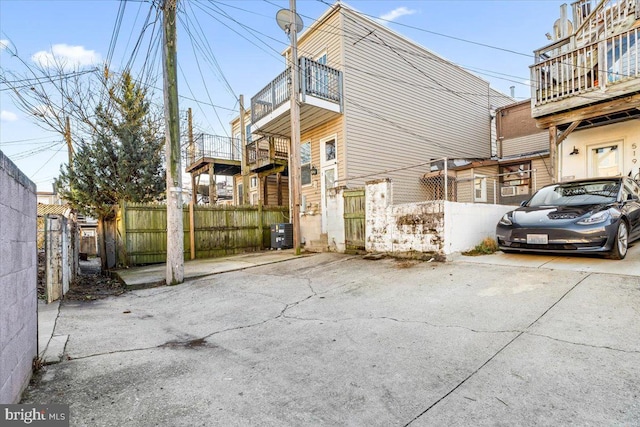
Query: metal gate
{"x": 354, "y": 220}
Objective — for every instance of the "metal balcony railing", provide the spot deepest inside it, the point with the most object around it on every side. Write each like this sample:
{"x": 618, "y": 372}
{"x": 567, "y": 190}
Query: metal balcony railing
{"x": 316, "y": 80}
{"x": 214, "y": 147}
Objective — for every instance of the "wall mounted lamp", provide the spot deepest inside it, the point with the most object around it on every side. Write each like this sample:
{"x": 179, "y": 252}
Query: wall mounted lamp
{"x": 575, "y": 151}
{"x": 314, "y": 170}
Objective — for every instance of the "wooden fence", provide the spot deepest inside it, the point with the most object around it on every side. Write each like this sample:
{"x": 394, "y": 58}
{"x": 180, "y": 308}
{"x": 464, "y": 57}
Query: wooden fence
{"x": 140, "y": 231}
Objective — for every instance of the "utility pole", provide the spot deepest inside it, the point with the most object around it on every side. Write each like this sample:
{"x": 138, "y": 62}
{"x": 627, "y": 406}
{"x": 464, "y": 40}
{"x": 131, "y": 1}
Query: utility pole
{"x": 175, "y": 233}
{"x": 294, "y": 150}
{"x": 67, "y": 138}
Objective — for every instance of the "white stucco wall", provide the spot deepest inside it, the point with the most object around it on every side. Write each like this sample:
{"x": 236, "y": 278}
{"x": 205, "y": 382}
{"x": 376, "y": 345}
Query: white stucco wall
{"x": 403, "y": 228}
{"x": 467, "y": 224}
{"x": 335, "y": 219}
{"x": 431, "y": 227}
{"x": 18, "y": 280}
{"x": 577, "y": 166}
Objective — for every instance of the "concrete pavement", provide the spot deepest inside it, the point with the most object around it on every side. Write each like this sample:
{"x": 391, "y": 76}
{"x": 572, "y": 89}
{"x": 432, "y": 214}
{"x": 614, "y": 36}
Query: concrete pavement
{"x": 337, "y": 340}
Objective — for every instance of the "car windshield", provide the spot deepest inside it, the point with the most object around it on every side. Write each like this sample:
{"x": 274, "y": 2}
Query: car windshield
{"x": 577, "y": 193}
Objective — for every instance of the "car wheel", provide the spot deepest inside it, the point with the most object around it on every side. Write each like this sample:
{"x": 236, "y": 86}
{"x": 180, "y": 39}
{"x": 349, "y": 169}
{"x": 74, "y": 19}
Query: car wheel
{"x": 621, "y": 244}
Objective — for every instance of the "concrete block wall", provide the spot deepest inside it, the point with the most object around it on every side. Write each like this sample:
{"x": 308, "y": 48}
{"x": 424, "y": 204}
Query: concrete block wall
{"x": 18, "y": 280}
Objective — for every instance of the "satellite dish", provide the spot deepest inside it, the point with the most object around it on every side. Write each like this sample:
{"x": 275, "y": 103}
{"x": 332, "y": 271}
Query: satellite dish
{"x": 283, "y": 18}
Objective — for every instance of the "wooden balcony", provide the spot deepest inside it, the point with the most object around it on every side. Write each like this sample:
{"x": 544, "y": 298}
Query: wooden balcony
{"x": 320, "y": 100}
{"x": 268, "y": 154}
{"x": 224, "y": 153}
{"x": 598, "y": 63}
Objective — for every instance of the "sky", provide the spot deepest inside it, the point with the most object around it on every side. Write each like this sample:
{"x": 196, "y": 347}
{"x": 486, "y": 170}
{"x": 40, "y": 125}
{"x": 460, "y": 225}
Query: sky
{"x": 231, "y": 47}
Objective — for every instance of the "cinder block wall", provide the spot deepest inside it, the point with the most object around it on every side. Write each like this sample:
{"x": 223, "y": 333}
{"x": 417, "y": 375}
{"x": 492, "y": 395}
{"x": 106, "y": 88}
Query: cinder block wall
{"x": 18, "y": 280}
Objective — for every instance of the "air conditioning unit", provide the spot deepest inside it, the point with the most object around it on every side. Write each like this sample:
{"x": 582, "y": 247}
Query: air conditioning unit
{"x": 507, "y": 191}
{"x": 522, "y": 190}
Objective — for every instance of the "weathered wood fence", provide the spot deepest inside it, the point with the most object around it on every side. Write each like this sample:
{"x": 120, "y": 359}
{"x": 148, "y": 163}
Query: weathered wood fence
{"x": 140, "y": 231}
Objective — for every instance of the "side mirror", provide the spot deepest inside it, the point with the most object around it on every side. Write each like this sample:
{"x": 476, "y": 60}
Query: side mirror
{"x": 524, "y": 203}
{"x": 632, "y": 197}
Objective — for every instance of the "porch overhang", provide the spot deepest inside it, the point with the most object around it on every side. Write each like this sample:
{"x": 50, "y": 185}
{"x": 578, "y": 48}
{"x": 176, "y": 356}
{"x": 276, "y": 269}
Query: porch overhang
{"x": 313, "y": 112}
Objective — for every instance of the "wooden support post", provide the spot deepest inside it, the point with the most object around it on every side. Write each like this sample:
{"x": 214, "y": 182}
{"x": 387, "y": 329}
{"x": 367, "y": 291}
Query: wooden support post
{"x": 213, "y": 196}
{"x": 553, "y": 152}
{"x": 295, "y": 182}
{"x": 265, "y": 189}
{"x": 260, "y": 224}
{"x": 279, "y": 187}
{"x": 194, "y": 192}
{"x": 244, "y": 168}
{"x": 192, "y": 217}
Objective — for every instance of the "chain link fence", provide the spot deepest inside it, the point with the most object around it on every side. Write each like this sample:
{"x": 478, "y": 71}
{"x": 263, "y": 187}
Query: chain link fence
{"x": 448, "y": 179}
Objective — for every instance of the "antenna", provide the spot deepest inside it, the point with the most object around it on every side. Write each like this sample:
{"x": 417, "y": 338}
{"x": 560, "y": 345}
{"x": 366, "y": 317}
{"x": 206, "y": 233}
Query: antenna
{"x": 283, "y": 18}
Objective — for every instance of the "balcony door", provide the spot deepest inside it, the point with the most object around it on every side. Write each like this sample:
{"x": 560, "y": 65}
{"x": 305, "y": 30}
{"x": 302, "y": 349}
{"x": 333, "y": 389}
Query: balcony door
{"x": 329, "y": 172}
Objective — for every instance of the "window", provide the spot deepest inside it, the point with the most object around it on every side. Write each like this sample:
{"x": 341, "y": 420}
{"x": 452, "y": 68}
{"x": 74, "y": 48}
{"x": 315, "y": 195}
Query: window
{"x": 240, "y": 194}
{"x": 330, "y": 150}
{"x": 605, "y": 160}
{"x": 305, "y": 163}
{"x": 248, "y": 134}
{"x": 321, "y": 77}
{"x": 479, "y": 188}
{"x": 254, "y": 182}
{"x": 515, "y": 179}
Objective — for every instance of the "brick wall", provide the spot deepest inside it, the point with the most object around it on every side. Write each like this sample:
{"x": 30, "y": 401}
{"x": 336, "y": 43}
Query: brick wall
{"x": 18, "y": 280}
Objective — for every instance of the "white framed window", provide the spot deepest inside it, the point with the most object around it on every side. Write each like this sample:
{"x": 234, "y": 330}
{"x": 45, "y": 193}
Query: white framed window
{"x": 479, "y": 188}
{"x": 240, "y": 195}
{"x": 254, "y": 182}
{"x": 305, "y": 163}
{"x": 605, "y": 159}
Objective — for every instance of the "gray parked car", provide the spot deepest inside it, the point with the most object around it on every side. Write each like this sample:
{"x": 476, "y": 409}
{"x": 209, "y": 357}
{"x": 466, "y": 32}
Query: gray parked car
{"x": 583, "y": 216}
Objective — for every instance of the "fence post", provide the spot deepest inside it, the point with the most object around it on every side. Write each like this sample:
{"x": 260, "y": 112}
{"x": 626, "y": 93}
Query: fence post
{"x": 495, "y": 192}
{"x": 121, "y": 238}
{"x": 260, "y": 224}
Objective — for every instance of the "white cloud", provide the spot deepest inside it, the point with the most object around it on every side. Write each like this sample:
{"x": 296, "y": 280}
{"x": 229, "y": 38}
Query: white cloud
{"x": 66, "y": 55}
{"x": 4, "y": 44}
{"x": 8, "y": 116}
{"x": 396, "y": 13}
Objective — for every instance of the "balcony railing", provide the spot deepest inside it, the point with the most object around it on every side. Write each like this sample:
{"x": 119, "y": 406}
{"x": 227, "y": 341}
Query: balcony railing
{"x": 594, "y": 66}
{"x": 213, "y": 147}
{"x": 267, "y": 150}
{"x": 316, "y": 80}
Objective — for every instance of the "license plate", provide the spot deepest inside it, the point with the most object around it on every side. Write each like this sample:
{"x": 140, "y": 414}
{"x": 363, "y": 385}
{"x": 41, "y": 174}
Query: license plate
{"x": 537, "y": 239}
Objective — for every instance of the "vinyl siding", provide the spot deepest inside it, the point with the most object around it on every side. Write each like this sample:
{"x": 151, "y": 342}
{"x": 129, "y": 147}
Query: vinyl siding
{"x": 525, "y": 144}
{"x": 541, "y": 166}
{"x": 331, "y": 128}
{"x": 405, "y": 105}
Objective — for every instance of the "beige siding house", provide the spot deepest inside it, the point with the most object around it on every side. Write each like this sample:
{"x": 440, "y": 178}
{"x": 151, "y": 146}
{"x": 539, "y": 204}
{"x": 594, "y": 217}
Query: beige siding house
{"x": 521, "y": 167}
{"x": 586, "y": 91}
{"x": 372, "y": 101}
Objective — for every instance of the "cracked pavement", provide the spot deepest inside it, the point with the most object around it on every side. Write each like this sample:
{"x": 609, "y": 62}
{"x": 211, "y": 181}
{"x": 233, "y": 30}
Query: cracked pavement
{"x": 337, "y": 340}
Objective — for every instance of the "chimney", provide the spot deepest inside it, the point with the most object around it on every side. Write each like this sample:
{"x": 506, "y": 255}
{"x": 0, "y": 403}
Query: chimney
{"x": 513, "y": 91}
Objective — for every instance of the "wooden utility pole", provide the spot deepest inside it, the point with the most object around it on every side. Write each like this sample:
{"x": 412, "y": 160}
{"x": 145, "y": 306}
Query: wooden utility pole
{"x": 244, "y": 169}
{"x": 194, "y": 191}
{"x": 67, "y": 138}
{"x": 294, "y": 150}
{"x": 175, "y": 232}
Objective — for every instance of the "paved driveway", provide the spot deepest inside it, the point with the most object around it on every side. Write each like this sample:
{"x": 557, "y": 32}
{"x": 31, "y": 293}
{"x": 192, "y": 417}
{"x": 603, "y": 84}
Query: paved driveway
{"x": 337, "y": 340}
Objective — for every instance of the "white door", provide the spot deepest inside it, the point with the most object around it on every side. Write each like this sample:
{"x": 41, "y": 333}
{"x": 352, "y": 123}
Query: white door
{"x": 329, "y": 173}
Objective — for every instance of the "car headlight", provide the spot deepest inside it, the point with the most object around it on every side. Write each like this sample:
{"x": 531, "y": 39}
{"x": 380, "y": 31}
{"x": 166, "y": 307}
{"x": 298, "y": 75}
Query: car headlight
{"x": 596, "y": 218}
{"x": 506, "y": 219}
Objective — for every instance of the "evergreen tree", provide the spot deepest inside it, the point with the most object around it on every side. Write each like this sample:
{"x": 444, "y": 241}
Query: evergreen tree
{"x": 122, "y": 161}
